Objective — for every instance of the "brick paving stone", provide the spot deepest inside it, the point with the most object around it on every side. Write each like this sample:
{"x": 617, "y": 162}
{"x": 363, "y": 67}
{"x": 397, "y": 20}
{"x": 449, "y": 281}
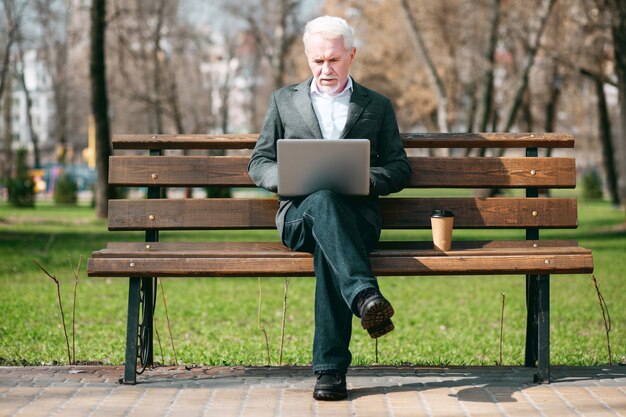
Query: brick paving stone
{"x": 611, "y": 398}
{"x": 262, "y": 402}
{"x": 296, "y": 402}
{"x": 370, "y": 405}
{"x": 118, "y": 403}
{"x": 227, "y": 402}
{"x": 334, "y": 408}
{"x": 13, "y": 400}
{"x": 154, "y": 402}
{"x": 48, "y": 401}
{"x": 476, "y": 401}
{"x": 192, "y": 403}
{"x": 579, "y": 399}
{"x": 83, "y": 402}
{"x": 438, "y": 402}
{"x": 405, "y": 404}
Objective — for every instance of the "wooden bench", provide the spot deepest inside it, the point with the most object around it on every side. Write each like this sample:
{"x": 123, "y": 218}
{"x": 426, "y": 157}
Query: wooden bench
{"x": 168, "y": 166}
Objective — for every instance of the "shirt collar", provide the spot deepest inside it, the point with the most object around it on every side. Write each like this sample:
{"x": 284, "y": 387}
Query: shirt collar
{"x": 315, "y": 89}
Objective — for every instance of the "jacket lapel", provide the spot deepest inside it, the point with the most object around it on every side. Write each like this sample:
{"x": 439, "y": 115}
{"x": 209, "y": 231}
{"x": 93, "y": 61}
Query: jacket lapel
{"x": 358, "y": 102}
{"x": 302, "y": 102}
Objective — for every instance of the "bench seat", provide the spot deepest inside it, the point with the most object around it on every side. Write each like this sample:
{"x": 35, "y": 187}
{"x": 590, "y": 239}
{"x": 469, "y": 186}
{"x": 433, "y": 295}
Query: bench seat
{"x": 216, "y": 259}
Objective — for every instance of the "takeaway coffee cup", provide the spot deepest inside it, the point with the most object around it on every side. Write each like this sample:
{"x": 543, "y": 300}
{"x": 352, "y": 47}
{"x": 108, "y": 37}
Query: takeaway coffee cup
{"x": 441, "y": 222}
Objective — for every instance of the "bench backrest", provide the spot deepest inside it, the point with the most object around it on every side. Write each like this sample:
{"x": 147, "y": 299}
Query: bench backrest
{"x": 162, "y": 164}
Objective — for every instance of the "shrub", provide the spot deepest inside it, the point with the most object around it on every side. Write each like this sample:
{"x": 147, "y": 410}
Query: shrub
{"x": 591, "y": 185}
{"x": 66, "y": 190}
{"x": 21, "y": 187}
{"x": 218, "y": 192}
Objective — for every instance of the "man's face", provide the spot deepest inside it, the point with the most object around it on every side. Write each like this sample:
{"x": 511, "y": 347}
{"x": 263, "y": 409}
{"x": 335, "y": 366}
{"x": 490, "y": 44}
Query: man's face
{"x": 329, "y": 62}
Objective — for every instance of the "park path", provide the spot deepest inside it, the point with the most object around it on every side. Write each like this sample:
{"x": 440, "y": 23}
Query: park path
{"x": 94, "y": 391}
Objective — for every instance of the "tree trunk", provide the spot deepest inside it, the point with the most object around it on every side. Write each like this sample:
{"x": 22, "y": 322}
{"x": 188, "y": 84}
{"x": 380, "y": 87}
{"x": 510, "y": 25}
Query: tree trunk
{"x": 420, "y": 47}
{"x": 527, "y": 112}
{"x": 490, "y": 57}
{"x": 604, "y": 123}
{"x": 553, "y": 101}
{"x": 282, "y": 41}
{"x": 172, "y": 98}
{"x": 8, "y": 131}
{"x": 4, "y": 70}
{"x": 157, "y": 57}
{"x": 522, "y": 85}
{"x": 29, "y": 117}
{"x": 618, "y": 30}
{"x": 13, "y": 20}
{"x": 100, "y": 106}
{"x": 551, "y": 111}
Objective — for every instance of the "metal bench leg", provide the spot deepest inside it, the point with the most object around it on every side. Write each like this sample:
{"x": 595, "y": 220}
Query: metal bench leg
{"x": 132, "y": 328}
{"x": 538, "y": 326}
{"x": 147, "y": 294}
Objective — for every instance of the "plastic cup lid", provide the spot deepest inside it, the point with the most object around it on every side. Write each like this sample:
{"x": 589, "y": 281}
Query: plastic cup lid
{"x": 442, "y": 213}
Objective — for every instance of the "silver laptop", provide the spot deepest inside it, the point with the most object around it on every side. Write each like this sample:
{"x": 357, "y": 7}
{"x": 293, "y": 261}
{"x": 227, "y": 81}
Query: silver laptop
{"x": 309, "y": 165}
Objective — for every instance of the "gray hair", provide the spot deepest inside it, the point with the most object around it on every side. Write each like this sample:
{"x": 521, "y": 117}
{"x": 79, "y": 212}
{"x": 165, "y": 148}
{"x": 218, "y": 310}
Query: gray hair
{"x": 330, "y": 27}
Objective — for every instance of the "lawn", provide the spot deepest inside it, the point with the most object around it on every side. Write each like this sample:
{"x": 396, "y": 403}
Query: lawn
{"x": 439, "y": 320}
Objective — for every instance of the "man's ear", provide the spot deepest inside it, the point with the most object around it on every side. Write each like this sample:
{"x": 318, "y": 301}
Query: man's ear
{"x": 352, "y": 55}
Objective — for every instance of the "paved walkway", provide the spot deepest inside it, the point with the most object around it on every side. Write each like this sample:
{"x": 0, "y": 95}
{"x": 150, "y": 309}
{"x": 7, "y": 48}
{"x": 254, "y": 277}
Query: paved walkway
{"x": 378, "y": 391}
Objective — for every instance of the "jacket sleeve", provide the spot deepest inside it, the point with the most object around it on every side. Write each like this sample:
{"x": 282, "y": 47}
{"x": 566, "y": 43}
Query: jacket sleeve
{"x": 392, "y": 172}
{"x": 262, "y": 167}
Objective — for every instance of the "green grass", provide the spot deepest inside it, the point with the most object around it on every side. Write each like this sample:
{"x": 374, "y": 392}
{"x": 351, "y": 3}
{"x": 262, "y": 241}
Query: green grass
{"x": 439, "y": 320}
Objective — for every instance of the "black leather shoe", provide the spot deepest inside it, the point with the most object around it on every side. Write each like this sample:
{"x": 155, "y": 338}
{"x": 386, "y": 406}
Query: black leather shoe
{"x": 375, "y": 313}
{"x": 330, "y": 386}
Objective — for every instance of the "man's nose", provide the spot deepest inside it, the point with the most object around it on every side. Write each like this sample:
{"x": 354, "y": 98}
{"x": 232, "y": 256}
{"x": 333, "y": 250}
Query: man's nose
{"x": 327, "y": 68}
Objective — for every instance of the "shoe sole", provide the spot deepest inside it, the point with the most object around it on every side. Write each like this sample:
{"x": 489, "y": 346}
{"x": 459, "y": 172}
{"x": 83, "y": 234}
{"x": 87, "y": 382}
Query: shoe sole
{"x": 377, "y": 319}
{"x": 384, "y": 328}
{"x": 329, "y": 395}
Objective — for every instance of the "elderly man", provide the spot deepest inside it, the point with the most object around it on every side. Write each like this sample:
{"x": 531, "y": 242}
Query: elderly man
{"x": 338, "y": 230}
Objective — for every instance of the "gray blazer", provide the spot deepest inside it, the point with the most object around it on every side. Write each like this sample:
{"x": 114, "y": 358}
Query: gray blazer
{"x": 370, "y": 116}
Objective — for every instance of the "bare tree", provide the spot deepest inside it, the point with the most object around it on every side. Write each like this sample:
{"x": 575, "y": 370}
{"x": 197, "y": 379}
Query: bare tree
{"x": 55, "y": 40}
{"x": 34, "y": 137}
{"x": 422, "y": 50}
{"x": 8, "y": 131}
{"x": 618, "y": 31}
{"x": 606, "y": 138}
{"x": 490, "y": 61}
{"x": 13, "y": 22}
{"x": 533, "y": 46}
{"x": 157, "y": 57}
{"x": 100, "y": 105}
{"x": 275, "y": 26}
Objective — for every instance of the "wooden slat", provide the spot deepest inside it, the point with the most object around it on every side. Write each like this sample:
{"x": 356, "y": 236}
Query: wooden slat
{"x": 487, "y": 140}
{"x": 493, "y": 172}
{"x": 397, "y": 213}
{"x": 278, "y": 250}
{"x": 179, "y": 171}
{"x": 213, "y": 213}
{"x": 142, "y": 141}
{"x": 434, "y": 264}
{"x": 231, "y": 171}
{"x": 482, "y": 212}
{"x": 411, "y": 140}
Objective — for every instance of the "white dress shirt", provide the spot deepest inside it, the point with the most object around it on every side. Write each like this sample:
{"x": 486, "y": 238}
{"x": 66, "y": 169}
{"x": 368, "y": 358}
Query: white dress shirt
{"x": 331, "y": 111}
